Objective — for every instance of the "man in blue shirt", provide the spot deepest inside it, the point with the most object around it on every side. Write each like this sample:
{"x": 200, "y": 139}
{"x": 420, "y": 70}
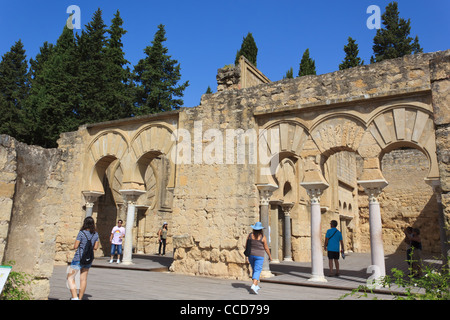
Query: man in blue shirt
{"x": 332, "y": 240}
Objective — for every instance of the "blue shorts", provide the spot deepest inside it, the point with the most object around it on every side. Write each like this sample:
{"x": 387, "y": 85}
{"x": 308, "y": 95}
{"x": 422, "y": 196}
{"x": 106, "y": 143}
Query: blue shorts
{"x": 114, "y": 247}
{"x": 75, "y": 265}
{"x": 257, "y": 264}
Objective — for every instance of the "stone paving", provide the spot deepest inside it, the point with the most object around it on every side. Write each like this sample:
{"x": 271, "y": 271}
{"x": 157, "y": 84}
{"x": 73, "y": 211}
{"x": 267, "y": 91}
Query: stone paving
{"x": 149, "y": 279}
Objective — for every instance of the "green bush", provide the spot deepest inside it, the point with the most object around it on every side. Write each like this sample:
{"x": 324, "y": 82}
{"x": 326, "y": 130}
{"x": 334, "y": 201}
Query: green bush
{"x": 15, "y": 286}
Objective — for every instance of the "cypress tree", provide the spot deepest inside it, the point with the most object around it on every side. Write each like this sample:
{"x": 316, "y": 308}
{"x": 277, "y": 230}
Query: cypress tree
{"x": 351, "y": 55}
{"x": 289, "y": 74}
{"x": 307, "y": 65}
{"x": 119, "y": 77}
{"x": 393, "y": 40}
{"x": 14, "y": 89}
{"x": 248, "y": 49}
{"x": 156, "y": 76}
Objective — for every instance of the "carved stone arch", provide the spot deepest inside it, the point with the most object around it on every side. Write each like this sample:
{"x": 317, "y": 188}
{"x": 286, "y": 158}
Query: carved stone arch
{"x": 108, "y": 143}
{"x": 153, "y": 140}
{"x": 104, "y": 149}
{"x": 338, "y": 132}
{"x": 152, "y": 169}
{"x": 276, "y": 141}
{"x": 406, "y": 126}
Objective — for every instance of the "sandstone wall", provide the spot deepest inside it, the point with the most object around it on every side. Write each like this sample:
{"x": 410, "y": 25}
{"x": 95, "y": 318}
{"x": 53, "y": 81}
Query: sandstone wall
{"x": 8, "y": 177}
{"x": 440, "y": 85}
{"x": 35, "y": 213}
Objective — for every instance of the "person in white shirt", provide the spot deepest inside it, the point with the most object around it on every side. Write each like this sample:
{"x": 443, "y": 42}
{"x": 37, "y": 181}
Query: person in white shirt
{"x": 117, "y": 235}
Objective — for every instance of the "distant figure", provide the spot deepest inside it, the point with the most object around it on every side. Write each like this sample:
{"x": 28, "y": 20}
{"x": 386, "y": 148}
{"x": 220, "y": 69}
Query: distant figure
{"x": 162, "y": 238}
{"x": 408, "y": 235}
{"x": 416, "y": 250}
{"x": 333, "y": 238}
{"x": 116, "y": 240}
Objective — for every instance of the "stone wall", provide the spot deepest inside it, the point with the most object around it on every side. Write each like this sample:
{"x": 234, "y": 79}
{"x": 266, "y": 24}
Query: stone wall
{"x": 35, "y": 213}
{"x": 406, "y": 201}
{"x": 440, "y": 85}
{"x": 8, "y": 177}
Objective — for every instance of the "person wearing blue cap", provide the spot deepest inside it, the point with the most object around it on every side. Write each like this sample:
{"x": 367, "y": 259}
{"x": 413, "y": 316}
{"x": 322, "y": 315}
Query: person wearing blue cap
{"x": 258, "y": 245}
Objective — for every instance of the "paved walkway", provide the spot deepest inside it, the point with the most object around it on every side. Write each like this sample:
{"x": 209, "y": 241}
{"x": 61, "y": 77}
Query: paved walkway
{"x": 148, "y": 279}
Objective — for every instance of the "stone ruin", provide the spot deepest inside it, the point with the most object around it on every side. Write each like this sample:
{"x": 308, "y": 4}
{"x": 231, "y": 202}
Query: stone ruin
{"x": 254, "y": 151}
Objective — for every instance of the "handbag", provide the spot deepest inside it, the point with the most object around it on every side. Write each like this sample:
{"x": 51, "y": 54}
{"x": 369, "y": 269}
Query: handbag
{"x": 248, "y": 247}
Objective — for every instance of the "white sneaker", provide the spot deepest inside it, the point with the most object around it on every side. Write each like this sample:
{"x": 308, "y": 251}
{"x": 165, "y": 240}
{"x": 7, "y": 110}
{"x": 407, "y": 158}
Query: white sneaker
{"x": 255, "y": 289}
{"x": 111, "y": 261}
{"x": 118, "y": 261}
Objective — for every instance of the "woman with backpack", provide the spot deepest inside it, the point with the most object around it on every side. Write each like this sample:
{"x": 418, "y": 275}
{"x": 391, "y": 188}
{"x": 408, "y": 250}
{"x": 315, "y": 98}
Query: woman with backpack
{"x": 85, "y": 244}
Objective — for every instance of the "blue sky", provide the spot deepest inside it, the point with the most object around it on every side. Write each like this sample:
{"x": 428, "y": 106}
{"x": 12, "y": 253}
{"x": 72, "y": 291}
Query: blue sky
{"x": 205, "y": 35}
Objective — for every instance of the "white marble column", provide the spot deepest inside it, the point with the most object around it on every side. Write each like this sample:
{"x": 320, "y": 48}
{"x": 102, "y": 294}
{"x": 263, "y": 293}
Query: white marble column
{"x": 130, "y": 197}
{"x": 90, "y": 197}
{"x": 265, "y": 192}
{"x": 287, "y": 206}
{"x": 314, "y": 191}
{"x": 373, "y": 188}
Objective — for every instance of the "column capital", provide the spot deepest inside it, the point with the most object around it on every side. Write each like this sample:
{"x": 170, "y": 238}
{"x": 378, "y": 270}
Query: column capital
{"x": 130, "y": 196}
{"x": 91, "y": 197}
{"x": 314, "y": 190}
{"x": 265, "y": 192}
{"x": 287, "y": 207}
{"x": 435, "y": 184}
{"x": 373, "y": 188}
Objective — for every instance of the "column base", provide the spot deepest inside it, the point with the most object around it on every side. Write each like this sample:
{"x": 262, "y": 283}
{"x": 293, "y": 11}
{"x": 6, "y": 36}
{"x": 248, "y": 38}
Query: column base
{"x": 127, "y": 262}
{"x": 318, "y": 279}
{"x": 288, "y": 259}
{"x": 266, "y": 274}
{"x": 275, "y": 261}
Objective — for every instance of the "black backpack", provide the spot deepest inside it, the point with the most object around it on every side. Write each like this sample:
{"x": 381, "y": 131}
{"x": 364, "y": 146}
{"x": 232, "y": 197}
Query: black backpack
{"x": 88, "y": 253}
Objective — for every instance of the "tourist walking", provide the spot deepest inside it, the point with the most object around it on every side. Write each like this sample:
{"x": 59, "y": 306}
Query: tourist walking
{"x": 333, "y": 238}
{"x": 116, "y": 240}
{"x": 162, "y": 237}
{"x": 86, "y": 234}
{"x": 258, "y": 246}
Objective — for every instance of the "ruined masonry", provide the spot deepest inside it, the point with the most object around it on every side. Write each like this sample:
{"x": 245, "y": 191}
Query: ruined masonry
{"x": 367, "y": 146}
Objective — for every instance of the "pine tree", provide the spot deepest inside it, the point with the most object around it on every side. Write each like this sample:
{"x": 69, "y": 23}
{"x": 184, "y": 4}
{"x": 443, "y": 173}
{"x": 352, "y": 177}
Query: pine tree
{"x": 157, "y": 76}
{"x": 93, "y": 73}
{"x": 54, "y": 98}
{"x": 36, "y": 64}
{"x": 289, "y": 74}
{"x": 307, "y": 65}
{"x": 393, "y": 40}
{"x": 119, "y": 82}
{"x": 248, "y": 49}
{"x": 351, "y": 55}
{"x": 14, "y": 90}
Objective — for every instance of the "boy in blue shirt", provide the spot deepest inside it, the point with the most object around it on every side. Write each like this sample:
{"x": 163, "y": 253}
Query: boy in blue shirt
{"x": 332, "y": 240}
